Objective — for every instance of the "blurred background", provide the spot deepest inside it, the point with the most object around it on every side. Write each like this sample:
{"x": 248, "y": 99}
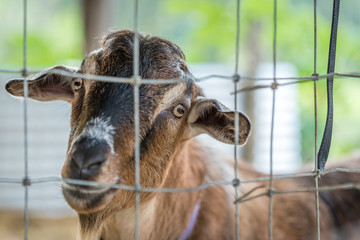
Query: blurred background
{"x": 63, "y": 31}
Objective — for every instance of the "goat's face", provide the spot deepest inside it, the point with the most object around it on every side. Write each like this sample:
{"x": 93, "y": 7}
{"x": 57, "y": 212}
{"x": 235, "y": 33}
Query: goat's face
{"x": 101, "y": 143}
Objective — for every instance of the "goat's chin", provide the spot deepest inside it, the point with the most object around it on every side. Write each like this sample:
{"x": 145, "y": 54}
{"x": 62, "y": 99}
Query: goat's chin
{"x": 87, "y": 199}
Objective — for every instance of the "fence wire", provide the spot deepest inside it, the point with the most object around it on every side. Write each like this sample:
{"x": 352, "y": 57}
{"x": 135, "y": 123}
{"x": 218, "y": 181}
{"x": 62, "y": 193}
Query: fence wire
{"x": 136, "y": 81}
{"x": 26, "y": 183}
{"x": 236, "y": 79}
{"x": 316, "y": 177}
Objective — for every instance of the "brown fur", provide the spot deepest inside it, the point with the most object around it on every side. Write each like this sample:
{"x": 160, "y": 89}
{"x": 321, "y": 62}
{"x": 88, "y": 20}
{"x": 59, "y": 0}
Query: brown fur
{"x": 171, "y": 158}
{"x": 293, "y": 214}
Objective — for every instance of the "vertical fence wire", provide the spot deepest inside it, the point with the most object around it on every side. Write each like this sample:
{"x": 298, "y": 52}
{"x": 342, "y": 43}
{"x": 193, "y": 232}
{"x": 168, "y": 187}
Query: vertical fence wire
{"x": 315, "y": 74}
{"x": 274, "y": 87}
{"x": 236, "y": 181}
{"x": 136, "y": 84}
{"x": 237, "y": 40}
{"x": 26, "y": 154}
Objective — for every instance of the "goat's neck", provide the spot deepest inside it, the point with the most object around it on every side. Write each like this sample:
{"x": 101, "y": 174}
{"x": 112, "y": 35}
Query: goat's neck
{"x": 185, "y": 170}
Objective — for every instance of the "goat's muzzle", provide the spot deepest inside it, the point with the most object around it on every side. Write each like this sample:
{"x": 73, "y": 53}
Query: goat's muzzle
{"x": 87, "y": 160}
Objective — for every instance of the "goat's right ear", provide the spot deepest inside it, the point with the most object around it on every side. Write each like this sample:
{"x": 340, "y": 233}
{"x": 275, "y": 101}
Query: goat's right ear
{"x": 45, "y": 86}
{"x": 212, "y": 117}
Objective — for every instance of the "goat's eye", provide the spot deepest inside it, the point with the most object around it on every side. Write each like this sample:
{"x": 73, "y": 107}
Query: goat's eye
{"x": 179, "y": 111}
{"x": 77, "y": 84}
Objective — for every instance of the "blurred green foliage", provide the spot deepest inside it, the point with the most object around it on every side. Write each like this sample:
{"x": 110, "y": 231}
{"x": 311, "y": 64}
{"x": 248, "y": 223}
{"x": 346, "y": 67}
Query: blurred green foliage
{"x": 54, "y": 33}
{"x": 209, "y": 27}
{"x": 206, "y": 31}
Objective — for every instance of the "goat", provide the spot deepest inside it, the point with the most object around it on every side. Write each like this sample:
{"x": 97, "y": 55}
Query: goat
{"x": 101, "y": 148}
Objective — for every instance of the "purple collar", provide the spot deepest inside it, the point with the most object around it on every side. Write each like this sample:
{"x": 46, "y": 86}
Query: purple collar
{"x": 191, "y": 223}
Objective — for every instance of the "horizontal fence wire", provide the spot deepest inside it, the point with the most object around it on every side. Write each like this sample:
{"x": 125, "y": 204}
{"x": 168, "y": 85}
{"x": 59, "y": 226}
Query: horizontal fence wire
{"x": 293, "y": 79}
{"x": 136, "y": 81}
{"x": 33, "y": 181}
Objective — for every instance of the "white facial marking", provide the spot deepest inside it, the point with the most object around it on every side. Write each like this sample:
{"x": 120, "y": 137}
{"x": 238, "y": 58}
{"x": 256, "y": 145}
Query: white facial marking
{"x": 170, "y": 96}
{"x": 98, "y": 129}
{"x": 178, "y": 67}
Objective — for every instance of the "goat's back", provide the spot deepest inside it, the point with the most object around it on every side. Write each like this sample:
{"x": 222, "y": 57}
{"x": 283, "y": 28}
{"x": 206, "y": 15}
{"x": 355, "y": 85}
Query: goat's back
{"x": 294, "y": 214}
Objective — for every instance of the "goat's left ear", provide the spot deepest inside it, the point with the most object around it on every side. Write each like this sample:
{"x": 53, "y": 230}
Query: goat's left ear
{"x": 47, "y": 85}
{"x": 211, "y": 117}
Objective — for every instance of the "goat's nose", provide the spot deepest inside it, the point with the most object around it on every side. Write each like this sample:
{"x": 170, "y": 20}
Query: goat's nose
{"x": 88, "y": 157}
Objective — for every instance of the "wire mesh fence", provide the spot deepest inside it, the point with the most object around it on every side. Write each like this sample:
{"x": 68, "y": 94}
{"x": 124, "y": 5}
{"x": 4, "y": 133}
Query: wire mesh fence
{"x": 272, "y": 83}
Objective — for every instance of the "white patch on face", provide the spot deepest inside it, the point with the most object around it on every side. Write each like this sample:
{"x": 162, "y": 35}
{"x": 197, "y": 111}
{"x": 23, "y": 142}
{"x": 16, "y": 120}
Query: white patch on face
{"x": 178, "y": 67}
{"x": 98, "y": 129}
{"x": 96, "y": 51}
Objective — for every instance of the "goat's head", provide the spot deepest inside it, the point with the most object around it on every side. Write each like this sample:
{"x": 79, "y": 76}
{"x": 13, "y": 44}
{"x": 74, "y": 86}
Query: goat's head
{"x": 101, "y": 143}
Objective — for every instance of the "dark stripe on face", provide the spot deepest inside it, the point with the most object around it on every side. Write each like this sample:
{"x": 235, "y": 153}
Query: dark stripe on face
{"x": 158, "y": 123}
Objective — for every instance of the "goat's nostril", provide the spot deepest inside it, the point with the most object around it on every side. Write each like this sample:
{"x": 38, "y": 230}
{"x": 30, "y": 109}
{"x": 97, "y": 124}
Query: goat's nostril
{"x": 87, "y": 159}
{"x": 95, "y": 162}
{"x": 94, "y": 167}
{"x": 76, "y": 162}
{"x": 88, "y": 163}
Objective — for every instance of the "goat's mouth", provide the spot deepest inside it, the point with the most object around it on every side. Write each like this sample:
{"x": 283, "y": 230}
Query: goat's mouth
{"x": 87, "y": 198}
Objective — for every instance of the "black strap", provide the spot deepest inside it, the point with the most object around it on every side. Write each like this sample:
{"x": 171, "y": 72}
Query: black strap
{"x": 326, "y": 140}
